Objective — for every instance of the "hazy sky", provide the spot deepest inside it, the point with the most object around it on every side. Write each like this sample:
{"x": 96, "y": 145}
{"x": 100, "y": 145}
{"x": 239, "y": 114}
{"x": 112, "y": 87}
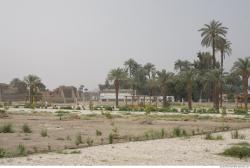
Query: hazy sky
{"x": 75, "y": 42}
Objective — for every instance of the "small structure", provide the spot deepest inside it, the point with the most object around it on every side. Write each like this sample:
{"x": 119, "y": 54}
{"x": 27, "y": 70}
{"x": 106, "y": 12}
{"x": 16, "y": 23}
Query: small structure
{"x": 107, "y": 95}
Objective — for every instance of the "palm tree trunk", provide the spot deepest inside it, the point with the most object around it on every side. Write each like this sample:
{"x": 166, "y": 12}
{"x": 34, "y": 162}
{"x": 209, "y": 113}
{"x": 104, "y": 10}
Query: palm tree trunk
{"x": 189, "y": 90}
{"x": 245, "y": 90}
{"x": 164, "y": 100}
{"x": 221, "y": 87}
{"x": 116, "y": 92}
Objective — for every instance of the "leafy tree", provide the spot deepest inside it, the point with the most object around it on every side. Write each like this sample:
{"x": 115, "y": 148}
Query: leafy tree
{"x": 34, "y": 86}
{"x": 19, "y": 84}
{"x": 117, "y": 75}
{"x": 241, "y": 67}
{"x": 164, "y": 79}
{"x": 212, "y": 33}
{"x": 224, "y": 46}
{"x": 150, "y": 69}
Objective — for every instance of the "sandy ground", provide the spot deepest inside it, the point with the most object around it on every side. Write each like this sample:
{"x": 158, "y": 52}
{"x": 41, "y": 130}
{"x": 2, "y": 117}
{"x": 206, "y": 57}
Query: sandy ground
{"x": 176, "y": 151}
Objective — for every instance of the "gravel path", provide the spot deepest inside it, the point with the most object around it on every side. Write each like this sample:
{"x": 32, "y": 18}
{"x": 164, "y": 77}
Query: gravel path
{"x": 175, "y": 151}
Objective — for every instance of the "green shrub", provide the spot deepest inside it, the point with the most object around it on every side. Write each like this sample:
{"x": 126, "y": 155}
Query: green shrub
{"x": 178, "y": 132}
{"x": 2, "y": 152}
{"x": 98, "y": 133}
{"x": 7, "y": 128}
{"x": 209, "y": 136}
{"x": 111, "y": 138}
{"x": 26, "y": 128}
{"x": 107, "y": 115}
{"x": 212, "y": 110}
{"x": 236, "y": 135}
{"x": 240, "y": 111}
{"x": 44, "y": 133}
{"x": 66, "y": 108}
{"x": 108, "y": 108}
{"x": 21, "y": 150}
{"x": 125, "y": 108}
{"x": 150, "y": 108}
{"x": 89, "y": 141}
{"x": 61, "y": 113}
{"x": 154, "y": 134}
{"x": 237, "y": 151}
{"x": 78, "y": 139}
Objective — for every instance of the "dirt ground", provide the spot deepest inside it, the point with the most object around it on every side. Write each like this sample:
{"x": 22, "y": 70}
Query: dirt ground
{"x": 173, "y": 151}
{"x": 62, "y": 133}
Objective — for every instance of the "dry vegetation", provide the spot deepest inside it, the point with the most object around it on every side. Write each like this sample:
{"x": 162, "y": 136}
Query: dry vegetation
{"x": 27, "y": 133}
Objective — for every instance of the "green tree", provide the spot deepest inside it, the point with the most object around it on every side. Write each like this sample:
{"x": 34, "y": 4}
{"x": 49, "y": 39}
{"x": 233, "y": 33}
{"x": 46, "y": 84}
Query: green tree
{"x": 34, "y": 86}
{"x": 150, "y": 69}
{"x": 241, "y": 67}
{"x": 19, "y": 84}
{"x": 182, "y": 65}
{"x": 117, "y": 75}
{"x": 164, "y": 79}
{"x": 214, "y": 76}
{"x": 224, "y": 46}
{"x": 212, "y": 33}
{"x": 189, "y": 76}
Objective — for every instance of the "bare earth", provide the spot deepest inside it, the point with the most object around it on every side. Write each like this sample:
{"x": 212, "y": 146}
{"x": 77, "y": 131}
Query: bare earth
{"x": 174, "y": 151}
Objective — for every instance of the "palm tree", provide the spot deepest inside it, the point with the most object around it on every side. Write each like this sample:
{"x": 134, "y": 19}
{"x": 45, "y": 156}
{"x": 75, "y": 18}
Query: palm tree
{"x": 34, "y": 85}
{"x": 164, "y": 79}
{"x": 182, "y": 65}
{"x": 214, "y": 76}
{"x": 131, "y": 66}
{"x": 224, "y": 46}
{"x": 211, "y": 34}
{"x": 150, "y": 69}
{"x": 117, "y": 75}
{"x": 242, "y": 68}
{"x": 189, "y": 76}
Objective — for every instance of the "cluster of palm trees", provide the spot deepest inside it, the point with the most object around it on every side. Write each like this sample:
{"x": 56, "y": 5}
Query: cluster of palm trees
{"x": 202, "y": 79}
{"x": 32, "y": 85}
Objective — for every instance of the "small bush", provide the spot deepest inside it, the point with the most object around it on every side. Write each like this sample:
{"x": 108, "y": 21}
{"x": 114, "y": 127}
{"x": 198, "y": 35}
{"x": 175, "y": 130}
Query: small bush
{"x": 212, "y": 110}
{"x": 111, "y": 138}
{"x": 108, "y": 115}
{"x": 240, "y": 111}
{"x": 236, "y": 135}
{"x": 178, "y": 132}
{"x": 154, "y": 134}
{"x": 2, "y": 152}
{"x": 44, "y": 133}
{"x": 78, "y": 139}
{"x": 61, "y": 114}
{"x": 66, "y": 108}
{"x": 89, "y": 141}
{"x": 125, "y": 108}
{"x": 209, "y": 136}
{"x": 98, "y": 133}
{"x": 237, "y": 151}
{"x": 26, "y": 128}
{"x": 21, "y": 150}
{"x": 7, "y": 128}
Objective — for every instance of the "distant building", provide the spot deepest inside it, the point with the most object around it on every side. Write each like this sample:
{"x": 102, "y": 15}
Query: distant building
{"x": 109, "y": 94}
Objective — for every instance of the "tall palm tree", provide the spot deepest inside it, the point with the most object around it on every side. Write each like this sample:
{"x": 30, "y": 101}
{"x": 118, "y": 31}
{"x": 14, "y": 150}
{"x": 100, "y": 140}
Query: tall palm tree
{"x": 149, "y": 68}
{"x": 214, "y": 76}
{"x": 116, "y": 75}
{"x": 224, "y": 46}
{"x": 131, "y": 66}
{"x": 242, "y": 68}
{"x": 34, "y": 86}
{"x": 211, "y": 34}
{"x": 164, "y": 79}
{"x": 189, "y": 76}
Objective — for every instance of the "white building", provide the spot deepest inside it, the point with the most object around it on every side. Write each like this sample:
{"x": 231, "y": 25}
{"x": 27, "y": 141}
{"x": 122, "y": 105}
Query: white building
{"x": 109, "y": 94}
